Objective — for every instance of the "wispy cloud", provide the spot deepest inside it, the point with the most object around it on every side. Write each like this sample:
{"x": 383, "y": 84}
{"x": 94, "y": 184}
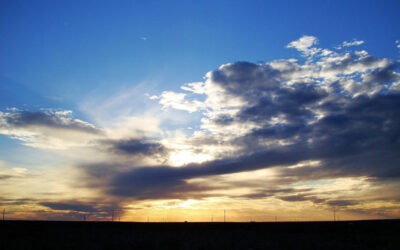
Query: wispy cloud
{"x": 350, "y": 44}
{"x": 46, "y": 129}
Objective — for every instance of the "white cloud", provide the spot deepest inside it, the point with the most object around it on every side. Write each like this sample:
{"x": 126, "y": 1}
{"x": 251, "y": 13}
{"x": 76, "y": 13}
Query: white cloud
{"x": 178, "y": 101}
{"x": 13, "y": 109}
{"x": 66, "y": 113}
{"x": 350, "y": 71}
{"x": 154, "y": 97}
{"x": 353, "y": 43}
{"x": 305, "y": 45}
{"x": 134, "y": 126}
{"x": 195, "y": 87}
{"x": 20, "y": 170}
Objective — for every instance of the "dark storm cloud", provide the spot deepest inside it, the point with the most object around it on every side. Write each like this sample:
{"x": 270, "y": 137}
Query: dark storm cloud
{"x": 298, "y": 197}
{"x": 304, "y": 197}
{"x": 135, "y": 147}
{"x": 293, "y": 104}
{"x": 47, "y": 119}
{"x": 341, "y": 203}
{"x": 318, "y": 201}
{"x": 264, "y": 193}
{"x": 77, "y": 207}
{"x": 364, "y": 140}
{"x": 158, "y": 182}
{"x": 346, "y": 153}
{"x": 360, "y": 136}
{"x": 255, "y": 195}
{"x": 74, "y": 210}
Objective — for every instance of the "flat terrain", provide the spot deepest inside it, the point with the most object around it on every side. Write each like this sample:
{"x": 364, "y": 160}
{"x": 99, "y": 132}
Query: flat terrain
{"x": 380, "y": 234}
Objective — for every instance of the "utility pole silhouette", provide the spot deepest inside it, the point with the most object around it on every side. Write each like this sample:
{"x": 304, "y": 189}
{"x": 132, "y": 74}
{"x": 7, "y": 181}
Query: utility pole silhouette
{"x": 112, "y": 214}
{"x": 334, "y": 213}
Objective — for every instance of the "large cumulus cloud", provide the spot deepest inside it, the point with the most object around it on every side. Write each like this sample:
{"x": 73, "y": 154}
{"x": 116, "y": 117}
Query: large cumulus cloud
{"x": 337, "y": 108}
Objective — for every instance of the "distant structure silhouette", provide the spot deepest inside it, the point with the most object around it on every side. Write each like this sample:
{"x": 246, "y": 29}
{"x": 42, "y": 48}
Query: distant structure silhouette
{"x": 113, "y": 215}
{"x": 4, "y": 213}
{"x": 334, "y": 213}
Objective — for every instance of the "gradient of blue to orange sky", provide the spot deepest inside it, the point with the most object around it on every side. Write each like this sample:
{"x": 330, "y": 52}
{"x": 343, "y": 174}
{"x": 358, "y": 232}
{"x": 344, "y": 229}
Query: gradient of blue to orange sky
{"x": 179, "y": 110}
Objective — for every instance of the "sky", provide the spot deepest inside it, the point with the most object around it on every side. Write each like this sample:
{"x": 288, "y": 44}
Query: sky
{"x": 179, "y": 110}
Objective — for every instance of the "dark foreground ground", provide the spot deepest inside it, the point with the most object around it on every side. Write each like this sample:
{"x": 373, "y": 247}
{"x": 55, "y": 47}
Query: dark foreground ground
{"x": 119, "y": 235}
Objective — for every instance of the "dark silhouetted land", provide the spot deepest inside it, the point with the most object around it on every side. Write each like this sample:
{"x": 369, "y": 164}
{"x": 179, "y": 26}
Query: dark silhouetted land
{"x": 380, "y": 234}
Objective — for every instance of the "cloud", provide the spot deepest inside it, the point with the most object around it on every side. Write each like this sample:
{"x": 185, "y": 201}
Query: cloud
{"x": 47, "y": 129}
{"x": 299, "y": 197}
{"x": 57, "y": 120}
{"x": 338, "y": 109}
{"x": 177, "y": 101}
{"x": 305, "y": 45}
{"x": 21, "y": 201}
{"x": 165, "y": 181}
{"x": 341, "y": 203}
{"x": 353, "y": 43}
{"x": 318, "y": 201}
{"x": 77, "y": 207}
{"x": 7, "y": 173}
{"x": 135, "y": 147}
{"x": 5, "y": 177}
{"x": 271, "y": 192}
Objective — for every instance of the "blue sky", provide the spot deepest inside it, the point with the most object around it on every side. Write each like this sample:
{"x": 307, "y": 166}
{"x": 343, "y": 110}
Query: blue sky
{"x": 59, "y": 51}
{"x": 85, "y": 85}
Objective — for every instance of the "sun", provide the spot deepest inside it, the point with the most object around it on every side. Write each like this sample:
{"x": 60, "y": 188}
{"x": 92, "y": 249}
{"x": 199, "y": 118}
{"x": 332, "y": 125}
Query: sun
{"x": 184, "y": 157}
